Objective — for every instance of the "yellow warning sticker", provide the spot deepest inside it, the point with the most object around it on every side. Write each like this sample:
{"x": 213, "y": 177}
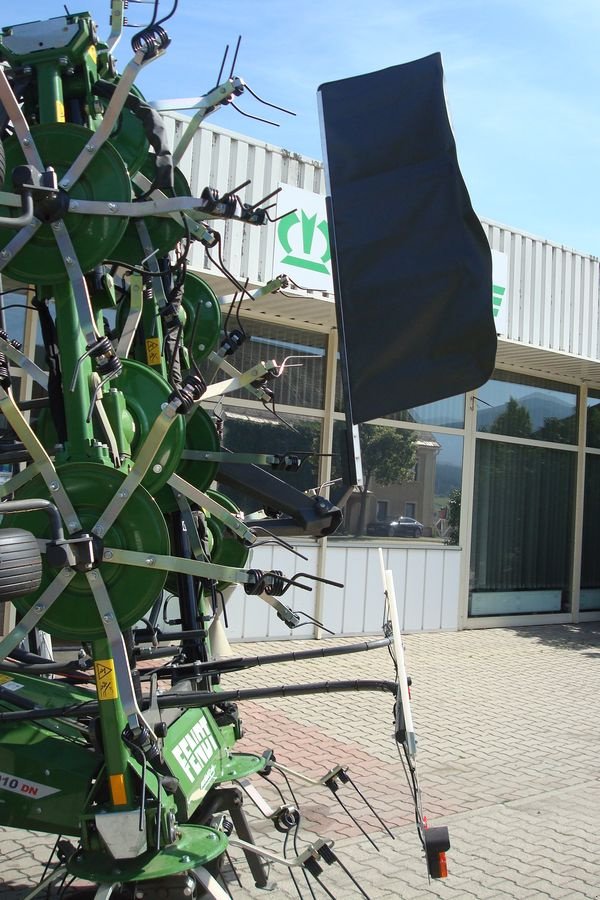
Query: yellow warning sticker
{"x": 153, "y": 351}
{"x": 60, "y": 111}
{"x": 106, "y": 681}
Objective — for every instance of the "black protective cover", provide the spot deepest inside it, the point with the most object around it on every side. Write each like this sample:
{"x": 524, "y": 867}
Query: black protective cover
{"x": 412, "y": 265}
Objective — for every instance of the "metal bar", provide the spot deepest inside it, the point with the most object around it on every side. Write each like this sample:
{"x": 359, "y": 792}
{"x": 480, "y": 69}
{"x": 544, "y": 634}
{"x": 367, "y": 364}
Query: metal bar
{"x": 234, "y": 384}
{"x": 117, "y": 647}
{"x": 24, "y": 363}
{"x": 257, "y": 459}
{"x": 39, "y": 456}
{"x": 37, "y": 612}
{"x": 55, "y": 875}
{"x": 163, "y": 207}
{"x": 232, "y": 522}
{"x": 144, "y": 458}
{"x": 75, "y": 275}
{"x": 136, "y": 299}
{"x": 117, "y": 20}
{"x": 17, "y": 243}
{"x": 165, "y": 563}
{"x": 210, "y": 885}
{"x": 11, "y": 105}
{"x": 109, "y": 119}
{"x": 18, "y": 480}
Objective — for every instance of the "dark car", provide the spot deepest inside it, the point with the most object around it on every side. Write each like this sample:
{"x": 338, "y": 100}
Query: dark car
{"x": 403, "y": 526}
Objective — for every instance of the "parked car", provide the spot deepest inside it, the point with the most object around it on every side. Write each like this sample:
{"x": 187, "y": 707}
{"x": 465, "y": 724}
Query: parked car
{"x": 403, "y": 526}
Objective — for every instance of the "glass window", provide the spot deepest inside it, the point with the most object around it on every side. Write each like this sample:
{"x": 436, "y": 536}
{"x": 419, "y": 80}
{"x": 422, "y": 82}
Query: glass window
{"x": 415, "y": 507}
{"x": 527, "y": 408}
{"x": 593, "y": 420}
{"x": 449, "y": 412}
{"x": 590, "y": 558}
{"x": 522, "y": 529}
{"x": 303, "y": 386}
{"x": 254, "y": 431}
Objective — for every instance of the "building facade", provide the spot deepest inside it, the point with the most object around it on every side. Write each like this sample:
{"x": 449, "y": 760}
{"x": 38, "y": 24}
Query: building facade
{"x": 504, "y": 480}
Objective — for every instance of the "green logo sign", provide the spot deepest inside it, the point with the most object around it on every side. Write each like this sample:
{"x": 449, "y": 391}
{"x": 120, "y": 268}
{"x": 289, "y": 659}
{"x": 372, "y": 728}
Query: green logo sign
{"x": 309, "y": 226}
{"x": 498, "y": 293}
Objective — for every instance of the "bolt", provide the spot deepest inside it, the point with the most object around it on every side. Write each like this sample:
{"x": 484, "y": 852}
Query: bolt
{"x": 208, "y": 304}
{"x": 4, "y": 254}
{"x": 107, "y": 617}
{"x": 93, "y": 576}
{"x": 53, "y": 485}
{"x": 201, "y": 346}
{"x": 99, "y": 529}
{"x": 26, "y": 142}
{"x": 187, "y": 892}
{"x": 46, "y": 772}
{"x": 63, "y": 61}
{"x": 108, "y": 554}
{"x": 186, "y": 859}
{"x": 123, "y": 493}
{"x": 66, "y": 182}
{"x": 55, "y": 226}
{"x": 74, "y": 204}
{"x": 40, "y": 607}
{"x": 90, "y": 148}
{"x": 150, "y": 560}
{"x": 157, "y": 468}
{"x": 113, "y": 207}
{"x": 72, "y": 525}
{"x": 38, "y": 810}
{"x": 68, "y": 260}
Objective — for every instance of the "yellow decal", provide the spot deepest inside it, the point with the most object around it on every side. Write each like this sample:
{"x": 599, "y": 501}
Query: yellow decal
{"x": 60, "y": 111}
{"x": 117, "y": 790}
{"x": 153, "y": 351}
{"x": 91, "y": 52}
{"x": 106, "y": 681}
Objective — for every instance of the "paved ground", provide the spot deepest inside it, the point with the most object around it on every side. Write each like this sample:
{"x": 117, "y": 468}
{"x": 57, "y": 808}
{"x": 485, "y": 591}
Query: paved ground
{"x": 509, "y": 758}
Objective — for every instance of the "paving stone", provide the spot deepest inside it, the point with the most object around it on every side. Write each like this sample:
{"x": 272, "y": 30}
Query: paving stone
{"x": 508, "y": 722}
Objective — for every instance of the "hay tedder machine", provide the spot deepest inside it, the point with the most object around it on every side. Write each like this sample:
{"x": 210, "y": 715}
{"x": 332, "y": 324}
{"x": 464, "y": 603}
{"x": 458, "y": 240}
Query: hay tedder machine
{"x": 109, "y": 498}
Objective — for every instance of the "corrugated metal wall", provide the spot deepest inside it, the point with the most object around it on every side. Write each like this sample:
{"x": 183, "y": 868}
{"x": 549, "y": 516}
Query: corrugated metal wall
{"x": 553, "y": 293}
{"x": 554, "y": 298}
{"x": 426, "y": 582}
{"x": 224, "y": 160}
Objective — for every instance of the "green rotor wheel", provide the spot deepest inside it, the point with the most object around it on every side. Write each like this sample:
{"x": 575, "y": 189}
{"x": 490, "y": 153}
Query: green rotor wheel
{"x": 93, "y": 237}
{"x": 200, "y": 435}
{"x": 203, "y": 323}
{"x": 228, "y": 550}
{"x": 165, "y": 232}
{"x": 141, "y": 526}
{"x": 145, "y": 392}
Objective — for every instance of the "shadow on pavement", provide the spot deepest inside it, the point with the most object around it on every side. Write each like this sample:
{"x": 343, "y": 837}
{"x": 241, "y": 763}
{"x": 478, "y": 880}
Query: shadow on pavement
{"x": 582, "y": 637}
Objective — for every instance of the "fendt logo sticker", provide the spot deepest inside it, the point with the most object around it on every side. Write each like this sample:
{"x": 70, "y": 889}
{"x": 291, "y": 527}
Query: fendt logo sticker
{"x": 25, "y": 788}
{"x": 302, "y": 248}
{"x": 195, "y": 750}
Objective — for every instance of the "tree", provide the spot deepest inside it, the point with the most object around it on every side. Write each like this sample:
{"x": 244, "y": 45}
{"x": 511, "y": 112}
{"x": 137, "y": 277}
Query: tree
{"x": 453, "y": 531}
{"x": 515, "y": 420}
{"x": 388, "y": 456}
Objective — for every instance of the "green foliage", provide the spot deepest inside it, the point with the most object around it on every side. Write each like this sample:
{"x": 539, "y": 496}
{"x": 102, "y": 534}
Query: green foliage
{"x": 454, "y": 500}
{"x": 388, "y": 457}
{"x": 515, "y": 420}
{"x": 388, "y": 454}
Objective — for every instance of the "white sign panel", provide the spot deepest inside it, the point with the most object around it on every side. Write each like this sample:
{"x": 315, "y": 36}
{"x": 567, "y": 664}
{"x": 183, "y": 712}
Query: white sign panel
{"x": 500, "y": 291}
{"x": 302, "y": 248}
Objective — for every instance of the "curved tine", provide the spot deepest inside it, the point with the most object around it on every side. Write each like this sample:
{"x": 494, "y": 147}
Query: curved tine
{"x": 315, "y": 578}
{"x": 11, "y": 105}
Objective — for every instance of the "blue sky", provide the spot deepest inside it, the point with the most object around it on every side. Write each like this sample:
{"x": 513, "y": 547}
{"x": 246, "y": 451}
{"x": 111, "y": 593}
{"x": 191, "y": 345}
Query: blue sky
{"x": 522, "y": 79}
